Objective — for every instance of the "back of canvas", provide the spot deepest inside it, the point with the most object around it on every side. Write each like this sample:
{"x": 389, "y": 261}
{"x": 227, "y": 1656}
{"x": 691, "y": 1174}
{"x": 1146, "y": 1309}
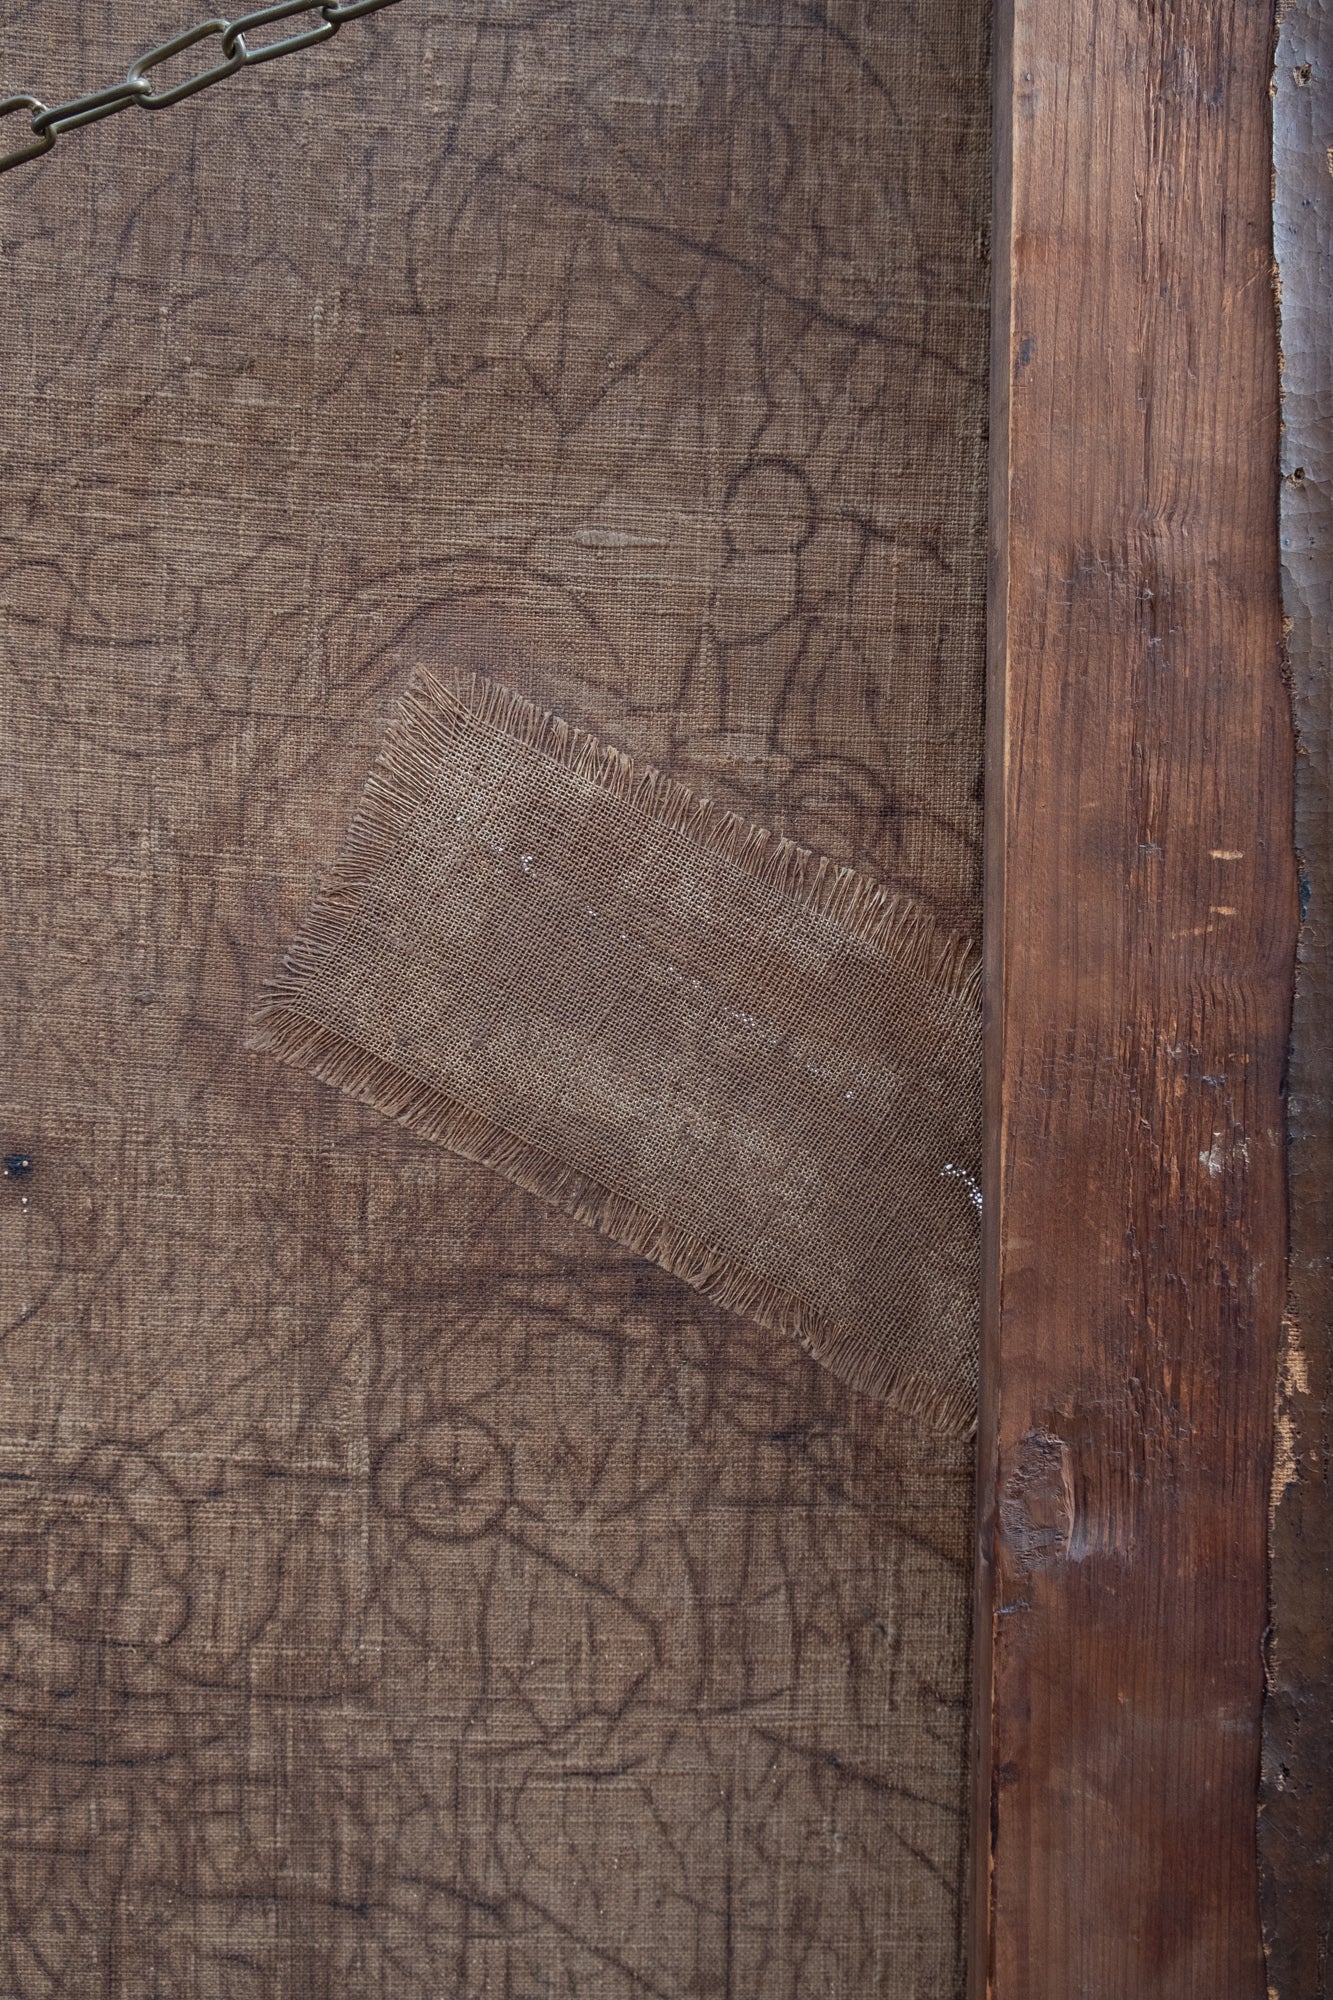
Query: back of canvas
{"x": 405, "y": 1592}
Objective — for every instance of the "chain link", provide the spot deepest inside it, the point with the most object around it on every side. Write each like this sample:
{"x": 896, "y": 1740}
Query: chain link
{"x": 47, "y": 122}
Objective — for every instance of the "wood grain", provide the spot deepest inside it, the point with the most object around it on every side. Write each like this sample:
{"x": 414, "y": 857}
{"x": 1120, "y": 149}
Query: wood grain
{"x": 1141, "y": 916}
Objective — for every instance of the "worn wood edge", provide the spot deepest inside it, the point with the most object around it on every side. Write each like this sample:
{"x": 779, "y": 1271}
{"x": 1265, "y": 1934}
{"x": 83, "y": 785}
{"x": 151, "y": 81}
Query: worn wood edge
{"x": 1296, "y": 1795}
{"x": 987, "y": 1749}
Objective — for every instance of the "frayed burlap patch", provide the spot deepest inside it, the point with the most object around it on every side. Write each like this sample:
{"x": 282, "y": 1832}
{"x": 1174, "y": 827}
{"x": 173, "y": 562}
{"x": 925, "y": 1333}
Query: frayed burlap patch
{"x": 757, "y": 1068}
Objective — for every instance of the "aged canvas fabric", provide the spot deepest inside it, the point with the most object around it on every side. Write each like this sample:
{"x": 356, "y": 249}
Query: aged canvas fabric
{"x": 406, "y": 1592}
{"x": 754, "y": 1067}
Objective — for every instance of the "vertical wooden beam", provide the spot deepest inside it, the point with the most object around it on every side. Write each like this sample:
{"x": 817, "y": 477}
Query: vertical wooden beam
{"x": 1141, "y": 918}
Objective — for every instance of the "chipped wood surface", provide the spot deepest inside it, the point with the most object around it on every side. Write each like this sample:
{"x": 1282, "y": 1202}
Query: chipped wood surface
{"x": 1141, "y": 909}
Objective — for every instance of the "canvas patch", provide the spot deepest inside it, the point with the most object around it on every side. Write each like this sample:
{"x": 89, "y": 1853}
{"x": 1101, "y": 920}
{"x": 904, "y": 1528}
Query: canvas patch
{"x": 756, "y": 1068}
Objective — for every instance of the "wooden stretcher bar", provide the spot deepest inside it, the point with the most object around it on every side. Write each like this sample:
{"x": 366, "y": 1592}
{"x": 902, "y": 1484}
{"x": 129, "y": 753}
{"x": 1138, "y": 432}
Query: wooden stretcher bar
{"x": 1141, "y": 914}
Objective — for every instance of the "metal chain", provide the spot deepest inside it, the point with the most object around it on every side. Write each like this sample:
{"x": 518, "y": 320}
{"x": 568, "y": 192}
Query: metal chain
{"x": 48, "y": 121}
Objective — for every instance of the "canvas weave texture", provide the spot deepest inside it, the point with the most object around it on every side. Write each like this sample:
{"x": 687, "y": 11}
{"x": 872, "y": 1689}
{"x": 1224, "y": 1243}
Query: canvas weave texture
{"x": 406, "y": 1591}
{"x": 754, "y": 1067}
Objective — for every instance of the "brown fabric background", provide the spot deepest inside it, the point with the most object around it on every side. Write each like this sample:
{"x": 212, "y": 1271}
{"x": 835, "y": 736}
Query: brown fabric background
{"x": 406, "y": 1593}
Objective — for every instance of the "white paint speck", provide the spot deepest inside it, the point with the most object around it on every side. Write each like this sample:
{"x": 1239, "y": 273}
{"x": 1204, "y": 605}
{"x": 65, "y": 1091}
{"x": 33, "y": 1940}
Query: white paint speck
{"x": 1220, "y": 1154}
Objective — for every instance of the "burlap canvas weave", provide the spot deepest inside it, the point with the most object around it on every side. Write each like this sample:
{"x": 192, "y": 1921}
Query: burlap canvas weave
{"x": 752, "y": 1066}
{"x": 407, "y": 1593}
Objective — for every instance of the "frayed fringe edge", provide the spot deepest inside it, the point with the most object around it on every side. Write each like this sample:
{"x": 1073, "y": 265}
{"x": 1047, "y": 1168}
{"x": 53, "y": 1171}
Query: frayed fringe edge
{"x": 433, "y": 1115}
{"x": 429, "y": 723}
